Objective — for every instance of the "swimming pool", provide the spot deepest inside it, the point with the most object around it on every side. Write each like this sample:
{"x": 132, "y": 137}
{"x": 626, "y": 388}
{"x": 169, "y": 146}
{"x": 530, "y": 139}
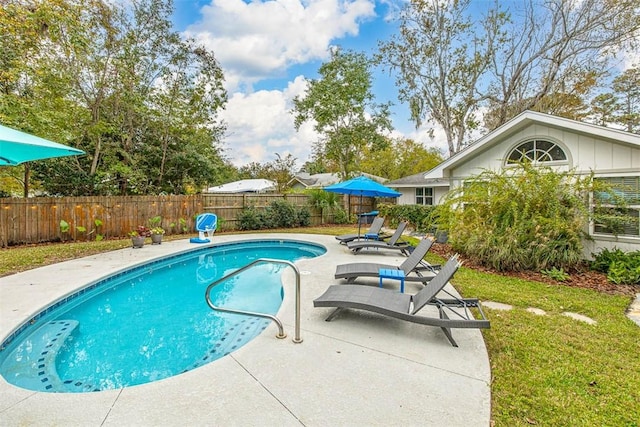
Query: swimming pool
{"x": 149, "y": 322}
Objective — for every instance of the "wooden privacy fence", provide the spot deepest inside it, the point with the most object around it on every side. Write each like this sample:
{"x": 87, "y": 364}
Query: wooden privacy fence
{"x": 34, "y": 220}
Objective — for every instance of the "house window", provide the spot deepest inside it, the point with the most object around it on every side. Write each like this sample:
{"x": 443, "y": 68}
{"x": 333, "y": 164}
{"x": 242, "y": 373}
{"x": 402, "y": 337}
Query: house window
{"x": 616, "y": 220}
{"x": 424, "y": 196}
{"x": 536, "y": 151}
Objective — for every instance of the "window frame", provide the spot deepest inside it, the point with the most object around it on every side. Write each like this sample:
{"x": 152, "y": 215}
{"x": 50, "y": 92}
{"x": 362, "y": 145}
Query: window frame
{"x": 631, "y": 195}
{"x": 555, "y": 144}
{"x": 424, "y": 196}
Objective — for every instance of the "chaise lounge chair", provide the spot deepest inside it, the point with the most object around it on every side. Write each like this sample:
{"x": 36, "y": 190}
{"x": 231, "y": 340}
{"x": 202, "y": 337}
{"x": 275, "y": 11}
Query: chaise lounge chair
{"x": 413, "y": 266}
{"x": 405, "y": 307}
{"x": 373, "y": 233}
{"x": 393, "y": 243}
{"x": 206, "y": 223}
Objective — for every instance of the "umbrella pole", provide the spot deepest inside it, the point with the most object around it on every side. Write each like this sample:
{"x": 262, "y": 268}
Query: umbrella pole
{"x": 359, "y": 216}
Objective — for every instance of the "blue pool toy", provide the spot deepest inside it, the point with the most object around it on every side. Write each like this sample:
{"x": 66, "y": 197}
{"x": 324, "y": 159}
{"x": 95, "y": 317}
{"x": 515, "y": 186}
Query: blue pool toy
{"x": 206, "y": 223}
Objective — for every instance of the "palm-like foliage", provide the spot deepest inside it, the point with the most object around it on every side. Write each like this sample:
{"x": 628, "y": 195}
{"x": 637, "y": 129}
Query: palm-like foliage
{"x": 523, "y": 218}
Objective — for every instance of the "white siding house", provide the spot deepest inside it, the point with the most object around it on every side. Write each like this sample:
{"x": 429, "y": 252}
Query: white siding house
{"x": 561, "y": 143}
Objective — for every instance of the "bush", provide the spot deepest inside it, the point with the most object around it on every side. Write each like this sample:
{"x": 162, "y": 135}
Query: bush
{"x": 624, "y": 273}
{"x": 324, "y": 201}
{"x": 605, "y": 258}
{"x": 280, "y": 214}
{"x": 250, "y": 219}
{"x": 621, "y": 268}
{"x": 340, "y": 216}
{"x": 304, "y": 217}
{"x": 419, "y": 217}
{"x": 556, "y": 274}
{"x": 521, "y": 218}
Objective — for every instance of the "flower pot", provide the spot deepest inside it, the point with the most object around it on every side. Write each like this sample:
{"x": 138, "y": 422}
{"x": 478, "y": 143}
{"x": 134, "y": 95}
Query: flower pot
{"x": 156, "y": 239}
{"x": 137, "y": 241}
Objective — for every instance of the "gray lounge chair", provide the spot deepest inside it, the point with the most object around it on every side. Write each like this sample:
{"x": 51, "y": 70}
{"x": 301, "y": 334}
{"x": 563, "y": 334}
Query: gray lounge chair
{"x": 394, "y": 242}
{"x": 374, "y": 232}
{"x": 453, "y": 312}
{"x": 414, "y": 266}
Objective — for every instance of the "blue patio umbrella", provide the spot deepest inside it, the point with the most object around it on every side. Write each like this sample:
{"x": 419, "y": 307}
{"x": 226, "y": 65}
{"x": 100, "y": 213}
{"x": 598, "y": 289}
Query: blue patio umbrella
{"x": 363, "y": 187}
{"x": 18, "y": 147}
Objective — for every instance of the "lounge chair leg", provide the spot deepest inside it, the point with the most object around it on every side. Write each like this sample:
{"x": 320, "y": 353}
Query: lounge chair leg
{"x": 333, "y": 314}
{"x": 447, "y": 331}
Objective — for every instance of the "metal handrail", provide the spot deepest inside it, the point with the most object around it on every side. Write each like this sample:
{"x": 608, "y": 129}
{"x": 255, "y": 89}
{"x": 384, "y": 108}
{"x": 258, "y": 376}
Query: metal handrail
{"x": 281, "y": 334}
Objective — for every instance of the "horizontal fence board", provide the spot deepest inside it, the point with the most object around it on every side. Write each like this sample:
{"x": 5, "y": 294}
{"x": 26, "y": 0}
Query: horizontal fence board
{"x": 37, "y": 219}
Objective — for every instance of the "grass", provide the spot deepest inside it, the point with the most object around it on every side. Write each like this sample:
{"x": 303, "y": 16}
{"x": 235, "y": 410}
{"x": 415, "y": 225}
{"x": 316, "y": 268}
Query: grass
{"x": 546, "y": 370}
{"x": 553, "y": 370}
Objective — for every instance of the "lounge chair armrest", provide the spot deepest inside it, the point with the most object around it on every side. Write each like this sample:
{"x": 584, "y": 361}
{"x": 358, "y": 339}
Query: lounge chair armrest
{"x": 428, "y": 267}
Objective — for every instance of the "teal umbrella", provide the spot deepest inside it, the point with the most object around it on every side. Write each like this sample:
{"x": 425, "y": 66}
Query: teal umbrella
{"x": 18, "y": 147}
{"x": 363, "y": 187}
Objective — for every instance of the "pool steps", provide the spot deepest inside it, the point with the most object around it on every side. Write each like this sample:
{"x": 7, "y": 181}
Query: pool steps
{"x": 235, "y": 337}
{"x": 280, "y": 335}
{"x": 45, "y": 343}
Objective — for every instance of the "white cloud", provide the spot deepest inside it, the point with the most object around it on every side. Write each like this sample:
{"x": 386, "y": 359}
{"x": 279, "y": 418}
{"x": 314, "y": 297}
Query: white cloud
{"x": 260, "y": 124}
{"x": 260, "y": 39}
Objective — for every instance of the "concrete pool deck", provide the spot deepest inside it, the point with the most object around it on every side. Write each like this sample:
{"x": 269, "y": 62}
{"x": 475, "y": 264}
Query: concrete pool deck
{"x": 359, "y": 369}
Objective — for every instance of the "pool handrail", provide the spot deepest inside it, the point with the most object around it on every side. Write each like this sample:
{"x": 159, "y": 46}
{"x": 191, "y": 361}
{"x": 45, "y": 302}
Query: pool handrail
{"x": 281, "y": 334}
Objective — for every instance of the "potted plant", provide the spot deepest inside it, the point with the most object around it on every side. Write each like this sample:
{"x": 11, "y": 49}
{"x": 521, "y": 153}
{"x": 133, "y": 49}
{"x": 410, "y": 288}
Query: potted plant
{"x": 156, "y": 235}
{"x": 138, "y": 235}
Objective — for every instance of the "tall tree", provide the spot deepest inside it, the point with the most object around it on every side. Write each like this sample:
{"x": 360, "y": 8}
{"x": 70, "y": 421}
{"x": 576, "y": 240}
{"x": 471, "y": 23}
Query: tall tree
{"x": 253, "y": 170}
{"x": 114, "y": 80}
{"x": 440, "y": 55}
{"x": 450, "y": 65}
{"x": 281, "y": 171}
{"x": 33, "y": 90}
{"x": 627, "y": 89}
{"x": 401, "y": 158}
{"x": 603, "y": 108}
{"x": 341, "y": 104}
{"x": 554, "y": 45}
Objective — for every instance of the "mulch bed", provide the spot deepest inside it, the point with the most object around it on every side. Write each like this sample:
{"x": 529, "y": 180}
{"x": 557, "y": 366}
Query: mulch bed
{"x": 582, "y": 278}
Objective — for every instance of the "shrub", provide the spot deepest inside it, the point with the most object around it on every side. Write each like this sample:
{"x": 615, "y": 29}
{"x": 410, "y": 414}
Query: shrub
{"x": 556, "y": 274}
{"x": 280, "y": 214}
{"x": 340, "y": 216}
{"x": 250, "y": 219}
{"x": 624, "y": 273}
{"x": 324, "y": 201}
{"x": 304, "y": 217}
{"x": 520, "y": 218}
{"x": 605, "y": 258}
{"x": 621, "y": 268}
{"x": 419, "y": 217}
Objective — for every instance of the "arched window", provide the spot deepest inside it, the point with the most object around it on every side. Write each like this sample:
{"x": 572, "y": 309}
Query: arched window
{"x": 536, "y": 151}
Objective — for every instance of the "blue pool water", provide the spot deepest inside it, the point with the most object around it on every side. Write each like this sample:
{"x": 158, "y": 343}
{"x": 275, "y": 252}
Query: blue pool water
{"x": 150, "y": 322}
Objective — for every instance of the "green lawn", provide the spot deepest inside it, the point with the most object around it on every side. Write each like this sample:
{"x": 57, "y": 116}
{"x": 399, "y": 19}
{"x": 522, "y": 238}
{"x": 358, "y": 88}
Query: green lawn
{"x": 546, "y": 370}
{"x": 553, "y": 370}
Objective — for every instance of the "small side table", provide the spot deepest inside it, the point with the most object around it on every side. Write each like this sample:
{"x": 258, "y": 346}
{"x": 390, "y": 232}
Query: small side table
{"x": 392, "y": 274}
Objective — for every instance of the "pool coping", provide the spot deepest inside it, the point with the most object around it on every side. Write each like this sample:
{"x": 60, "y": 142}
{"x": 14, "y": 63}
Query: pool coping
{"x": 359, "y": 369}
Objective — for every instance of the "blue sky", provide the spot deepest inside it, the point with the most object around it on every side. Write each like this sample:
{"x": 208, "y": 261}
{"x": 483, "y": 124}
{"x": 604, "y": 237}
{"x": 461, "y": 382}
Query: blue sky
{"x": 268, "y": 48}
